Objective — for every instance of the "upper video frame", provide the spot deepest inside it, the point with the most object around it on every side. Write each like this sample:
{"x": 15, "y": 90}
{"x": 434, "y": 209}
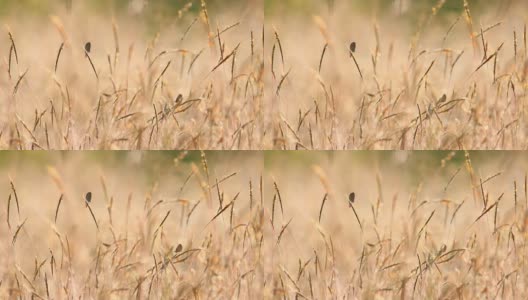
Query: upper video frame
{"x": 131, "y": 74}
{"x": 448, "y": 74}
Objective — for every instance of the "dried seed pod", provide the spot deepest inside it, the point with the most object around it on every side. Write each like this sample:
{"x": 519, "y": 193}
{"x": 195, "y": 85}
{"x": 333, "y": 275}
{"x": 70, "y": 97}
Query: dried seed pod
{"x": 179, "y": 99}
{"x": 88, "y": 47}
{"x": 179, "y": 248}
{"x": 88, "y": 197}
{"x": 351, "y": 198}
{"x": 442, "y": 99}
{"x": 352, "y": 47}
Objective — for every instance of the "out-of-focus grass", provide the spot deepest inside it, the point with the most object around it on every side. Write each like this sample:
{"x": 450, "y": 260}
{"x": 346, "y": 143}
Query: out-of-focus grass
{"x": 152, "y": 79}
{"x": 104, "y": 6}
{"x": 443, "y": 78}
{"x": 380, "y": 6}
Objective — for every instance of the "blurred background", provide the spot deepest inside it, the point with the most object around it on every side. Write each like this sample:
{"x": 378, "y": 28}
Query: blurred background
{"x": 173, "y": 8}
{"x": 147, "y": 11}
{"x": 169, "y": 7}
{"x": 151, "y": 165}
{"x": 409, "y": 9}
{"x": 387, "y": 5}
{"x": 416, "y": 165}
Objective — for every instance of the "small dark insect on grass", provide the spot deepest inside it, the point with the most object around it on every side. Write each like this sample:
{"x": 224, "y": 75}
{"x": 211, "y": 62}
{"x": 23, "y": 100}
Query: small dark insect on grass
{"x": 352, "y": 48}
{"x": 88, "y": 47}
{"x": 88, "y": 198}
{"x": 179, "y": 248}
{"x": 351, "y": 198}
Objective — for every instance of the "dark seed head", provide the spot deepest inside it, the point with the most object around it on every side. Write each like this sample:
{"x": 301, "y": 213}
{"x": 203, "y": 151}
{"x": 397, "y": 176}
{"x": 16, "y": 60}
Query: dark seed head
{"x": 179, "y": 99}
{"x": 353, "y": 47}
{"x": 351, "y": 198}
{"x": 442, "y": 99}
{"x": 88, "y": 197}
{"x": 88, "y": 47}
{"x": 179, "y": 248}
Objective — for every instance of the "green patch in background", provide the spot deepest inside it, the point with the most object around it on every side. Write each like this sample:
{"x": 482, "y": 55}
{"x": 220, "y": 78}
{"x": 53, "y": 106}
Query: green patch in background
{"x": 167, "y": 7}
{"x": 414, "y": 11}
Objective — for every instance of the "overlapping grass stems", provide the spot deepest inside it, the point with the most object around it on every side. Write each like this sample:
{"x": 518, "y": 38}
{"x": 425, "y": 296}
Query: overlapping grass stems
{"x": 201, "y": 83}
{"x": 218, "y": 230}
{"x": 77, "y": 81}
{"x": 450, "y": 81}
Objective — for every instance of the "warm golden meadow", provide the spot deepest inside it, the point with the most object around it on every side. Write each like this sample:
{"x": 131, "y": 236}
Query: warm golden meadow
{"x": 224, "y": 77}
{"x": 255, "y": 225}
{"x": 203, "y": 75}
{"x": 435, "y": 78}
{"x": 85, "y": 79}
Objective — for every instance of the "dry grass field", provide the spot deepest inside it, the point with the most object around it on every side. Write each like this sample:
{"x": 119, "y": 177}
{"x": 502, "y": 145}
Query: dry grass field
{"x": 255, "y": 225}
{"x": 263, "y": 75}
{"x": 144, "y": 235}
{"x": 83, "y": 79}
{"x": 226, "y": 77}
{"x": 436, "y": 79}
